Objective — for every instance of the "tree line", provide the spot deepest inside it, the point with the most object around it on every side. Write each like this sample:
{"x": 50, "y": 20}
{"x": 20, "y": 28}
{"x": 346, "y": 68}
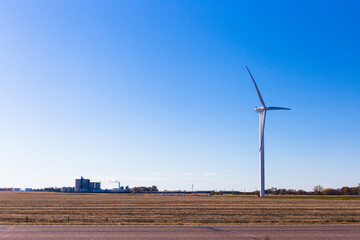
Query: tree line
{"x": 317, "y": 190}
{"x": 144, "y": 189}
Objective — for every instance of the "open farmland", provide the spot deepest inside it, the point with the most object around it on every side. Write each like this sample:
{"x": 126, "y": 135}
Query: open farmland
{"x": 73, "y": 208}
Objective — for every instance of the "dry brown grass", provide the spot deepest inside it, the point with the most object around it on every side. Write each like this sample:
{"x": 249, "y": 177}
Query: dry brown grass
{"x": 57, "y": 208}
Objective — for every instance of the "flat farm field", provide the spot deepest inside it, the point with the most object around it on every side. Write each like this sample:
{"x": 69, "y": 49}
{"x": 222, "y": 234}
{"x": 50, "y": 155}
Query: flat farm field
{"x": 98, "y": 208}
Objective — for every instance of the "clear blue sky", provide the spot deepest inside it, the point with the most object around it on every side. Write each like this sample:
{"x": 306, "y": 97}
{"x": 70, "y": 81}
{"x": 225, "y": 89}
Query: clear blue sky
{"x": 156, "y": 92}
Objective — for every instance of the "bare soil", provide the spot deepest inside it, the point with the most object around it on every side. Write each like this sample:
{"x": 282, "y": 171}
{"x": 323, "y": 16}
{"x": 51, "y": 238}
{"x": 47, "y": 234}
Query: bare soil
{"x": 98, "y": 208}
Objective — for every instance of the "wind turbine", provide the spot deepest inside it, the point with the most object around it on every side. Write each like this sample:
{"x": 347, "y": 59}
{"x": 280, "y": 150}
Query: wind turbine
{"x": 262, "y": 115}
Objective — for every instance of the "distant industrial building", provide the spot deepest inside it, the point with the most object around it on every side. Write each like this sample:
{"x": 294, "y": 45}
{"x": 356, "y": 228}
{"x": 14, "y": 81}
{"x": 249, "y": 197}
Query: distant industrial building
{"x": 94, "y": 186}
{"x": 84, "y": 185}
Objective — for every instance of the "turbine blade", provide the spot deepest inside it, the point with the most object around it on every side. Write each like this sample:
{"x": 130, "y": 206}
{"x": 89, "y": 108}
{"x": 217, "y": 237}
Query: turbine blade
{"x": 277, "y": 108}
{"x": 257, "y": 89}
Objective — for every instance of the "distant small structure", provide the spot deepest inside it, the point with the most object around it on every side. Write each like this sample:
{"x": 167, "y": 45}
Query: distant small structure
{"x": 52, "y": 189}
{"x": 121, "y": 189}
{"x": 68, "y": 189}
{"x": 84, "y": 185}
{"x": 28, "y": 189}
{"x": 16, "y": 189}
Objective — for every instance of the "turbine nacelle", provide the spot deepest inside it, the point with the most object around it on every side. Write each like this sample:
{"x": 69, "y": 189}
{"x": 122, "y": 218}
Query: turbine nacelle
{"x": 259, "y": 109}
{"x": 262, "y": 109}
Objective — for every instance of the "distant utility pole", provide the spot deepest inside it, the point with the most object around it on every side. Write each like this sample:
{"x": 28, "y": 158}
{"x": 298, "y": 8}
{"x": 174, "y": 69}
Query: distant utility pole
{"x": 192, "y": 187}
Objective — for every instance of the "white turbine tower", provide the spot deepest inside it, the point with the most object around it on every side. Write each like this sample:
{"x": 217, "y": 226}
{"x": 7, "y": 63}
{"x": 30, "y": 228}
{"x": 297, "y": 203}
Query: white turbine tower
{"x": 262, "y": 111}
